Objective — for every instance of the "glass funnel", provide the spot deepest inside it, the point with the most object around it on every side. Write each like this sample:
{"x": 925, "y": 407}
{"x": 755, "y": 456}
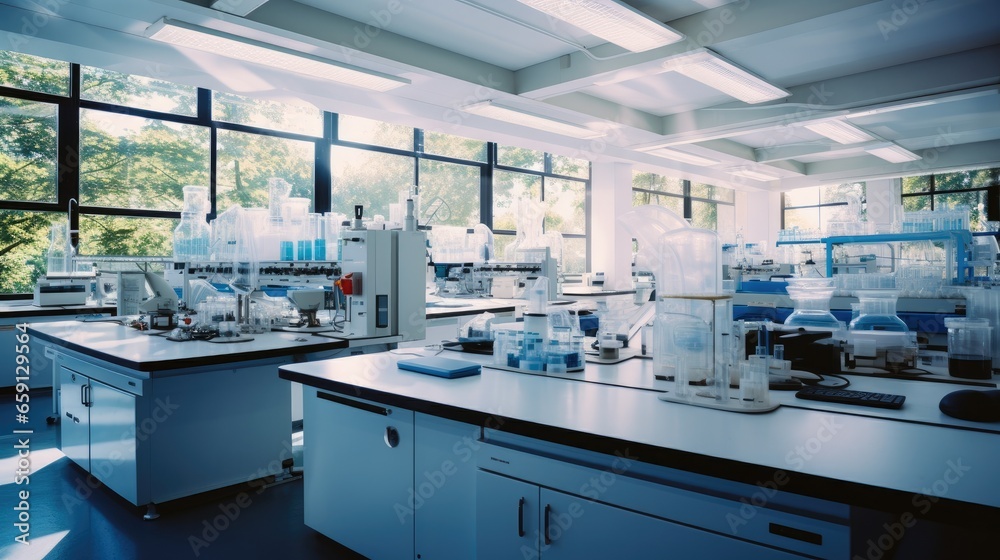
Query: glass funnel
{"x": 877, "y": 312}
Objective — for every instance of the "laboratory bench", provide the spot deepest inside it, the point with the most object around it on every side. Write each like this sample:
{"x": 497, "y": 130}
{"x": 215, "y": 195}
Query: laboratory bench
{"x": 20, "y": 311}
{"x": 157, "y": 420}
{"x": 576, "y": 465}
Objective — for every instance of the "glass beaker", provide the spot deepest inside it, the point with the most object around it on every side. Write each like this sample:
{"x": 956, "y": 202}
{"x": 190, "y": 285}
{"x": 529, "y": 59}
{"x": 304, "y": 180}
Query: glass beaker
{"x": 877, "y": 312}
{"x": 970, "y": 352}
{"x": 58, "y": 254}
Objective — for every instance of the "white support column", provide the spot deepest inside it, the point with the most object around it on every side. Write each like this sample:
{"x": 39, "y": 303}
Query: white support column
{"x": 611, "y": 246}
{"x": 884, "y": 203}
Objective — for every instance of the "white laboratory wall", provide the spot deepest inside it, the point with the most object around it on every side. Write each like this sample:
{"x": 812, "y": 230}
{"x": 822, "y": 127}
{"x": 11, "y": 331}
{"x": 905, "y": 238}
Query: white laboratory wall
{"x": 611, "y": 246}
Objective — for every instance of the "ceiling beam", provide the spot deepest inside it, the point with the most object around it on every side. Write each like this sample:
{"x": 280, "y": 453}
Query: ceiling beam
{"x": 970, "y": 156}
{"x": 955, "y": 73}
{"x": 362, "y": 39}
{"x": 795, "y": 151}
{"x": 704, "y": 29}
{"x": 240, "y": 8}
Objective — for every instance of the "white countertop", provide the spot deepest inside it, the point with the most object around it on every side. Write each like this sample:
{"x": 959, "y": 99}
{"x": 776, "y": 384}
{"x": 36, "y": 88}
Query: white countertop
{"x": 147, "y": 351}
{"x": 17, "y": 309}
{"x": 908, "y": 451}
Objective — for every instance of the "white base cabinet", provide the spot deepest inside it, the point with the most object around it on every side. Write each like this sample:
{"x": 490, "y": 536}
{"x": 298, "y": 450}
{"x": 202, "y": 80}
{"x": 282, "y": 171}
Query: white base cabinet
{"x": 358, "y": 466}
{"x": 517, "y": 519}
{"x": 156, "y": 439}
{"x": 386, "y": 482}
{"x": 537, "y": 499}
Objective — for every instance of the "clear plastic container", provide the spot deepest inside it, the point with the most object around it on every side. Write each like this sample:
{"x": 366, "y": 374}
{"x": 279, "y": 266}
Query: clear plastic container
{"x": 196, "y": 199}
{"x": 192, "y": 238}
{"x": 278, "y": 192}
{"x": 877, "y": 312}
{"x": 58, "y": 261}
{"x": 812, "y": 306}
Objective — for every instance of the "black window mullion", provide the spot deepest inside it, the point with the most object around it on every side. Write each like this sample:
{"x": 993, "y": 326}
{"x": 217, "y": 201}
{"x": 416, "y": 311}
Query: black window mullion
{"x": 486, "y": 195}
{"x": 688, "y": 212}
{"x": 204, "y": 106}
{"x": 213, "y": 163}
{"x": 68, "y": 154}
{"x": 323, "y": 171}
{"x": 418, "y": 140}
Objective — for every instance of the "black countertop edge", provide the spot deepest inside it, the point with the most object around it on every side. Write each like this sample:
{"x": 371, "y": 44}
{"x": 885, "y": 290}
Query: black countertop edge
{"x": 210, "y": 360}
{"x": 34, "y": 311}
{"x": 465, "y": 312}
{"x": 876, "y": 498}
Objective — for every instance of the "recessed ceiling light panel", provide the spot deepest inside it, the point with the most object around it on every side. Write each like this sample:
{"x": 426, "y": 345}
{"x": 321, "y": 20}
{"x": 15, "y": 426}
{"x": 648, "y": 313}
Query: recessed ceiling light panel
{"x": 613, "y": 21}
{"x": 752, "y": 174}
{"x": 716, "y": 72}
{"x": 248, "y": 50}
{"x": 893, "y": 153}
{"x": 493, "y": 110}
{"x": 683, "y": 157}
{"x": 840, "y": 132}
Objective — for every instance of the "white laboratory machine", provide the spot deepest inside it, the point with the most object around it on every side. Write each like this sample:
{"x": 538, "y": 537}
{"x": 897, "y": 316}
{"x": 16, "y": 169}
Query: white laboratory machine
{"x": 383, "y": 283}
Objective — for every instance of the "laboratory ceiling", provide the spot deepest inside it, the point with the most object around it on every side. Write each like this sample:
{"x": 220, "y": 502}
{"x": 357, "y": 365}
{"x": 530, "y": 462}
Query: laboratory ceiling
{"x": 918, "y": 75}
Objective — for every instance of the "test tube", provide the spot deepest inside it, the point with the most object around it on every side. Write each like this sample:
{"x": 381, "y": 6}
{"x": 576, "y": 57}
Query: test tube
{"x": 681, "y": 378}
{"x": 754, "y": 381}
{"x": 721, "y": 382}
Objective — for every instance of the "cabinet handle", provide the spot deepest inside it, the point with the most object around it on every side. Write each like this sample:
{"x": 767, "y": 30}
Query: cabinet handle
{"x": 391, "y": 437}
{"x": 548, "y": 509}
{"x": 520, "y": 517}
{"x": 87, "y": 402}
{"x": 354, "y": 404}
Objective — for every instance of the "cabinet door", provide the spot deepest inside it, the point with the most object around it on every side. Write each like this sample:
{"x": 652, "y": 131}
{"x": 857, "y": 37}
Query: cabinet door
{"x": 359, "y": 474}
{"x": 444, "y": 470}
{"x": 572, "y": 527}
{"x": 112, "y": 439}
{"x": 74, "y": 423}
{"x": 507, "y": 522}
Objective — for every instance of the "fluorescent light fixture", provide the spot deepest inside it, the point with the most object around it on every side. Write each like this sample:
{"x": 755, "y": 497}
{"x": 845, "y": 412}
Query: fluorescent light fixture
{"x": 255, "y": 52}
{"x": 240, "y": 8}
{"x": 611, "y": 20}
{"x": 683, "y": 157}
{"x": 840, "y": 132}
{"x": 714, "y": 71}
{"x": 751, "y": 174}
{"x": 893, "y": 153}
{"x": 493, "y": 110}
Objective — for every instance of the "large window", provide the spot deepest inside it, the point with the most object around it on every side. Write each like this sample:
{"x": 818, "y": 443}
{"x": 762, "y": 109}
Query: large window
{"x": 140, "y": 92}
{"x": 245, "y": 163}
{"x": 27, "y": 150}
{"x": 114, "y": 151}
{"x": 529, "y": 176}
{"x": 137, "y": 163}
{"x": 371, "y": 179}
{"x": 814, "y": 208}
{"x": 972, "y": 188}
{"x": 449, "y": 193}
{"x": 703, "y": 206}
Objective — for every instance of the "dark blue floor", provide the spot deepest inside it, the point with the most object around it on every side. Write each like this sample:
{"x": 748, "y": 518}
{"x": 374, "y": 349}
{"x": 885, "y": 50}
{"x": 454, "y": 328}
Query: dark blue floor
{"x": 70, "y": 520}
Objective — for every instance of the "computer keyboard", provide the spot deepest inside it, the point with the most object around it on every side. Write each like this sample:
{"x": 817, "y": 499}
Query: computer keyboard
{"x": 846, "y": 396}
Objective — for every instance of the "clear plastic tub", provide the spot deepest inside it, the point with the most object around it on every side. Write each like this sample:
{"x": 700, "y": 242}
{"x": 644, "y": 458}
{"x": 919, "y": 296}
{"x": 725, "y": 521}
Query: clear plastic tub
{"x": 877, "y": 312}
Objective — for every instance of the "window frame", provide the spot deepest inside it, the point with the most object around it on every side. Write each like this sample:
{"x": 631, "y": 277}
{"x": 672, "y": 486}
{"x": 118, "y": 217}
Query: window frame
{"x": 69, "y": 109}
